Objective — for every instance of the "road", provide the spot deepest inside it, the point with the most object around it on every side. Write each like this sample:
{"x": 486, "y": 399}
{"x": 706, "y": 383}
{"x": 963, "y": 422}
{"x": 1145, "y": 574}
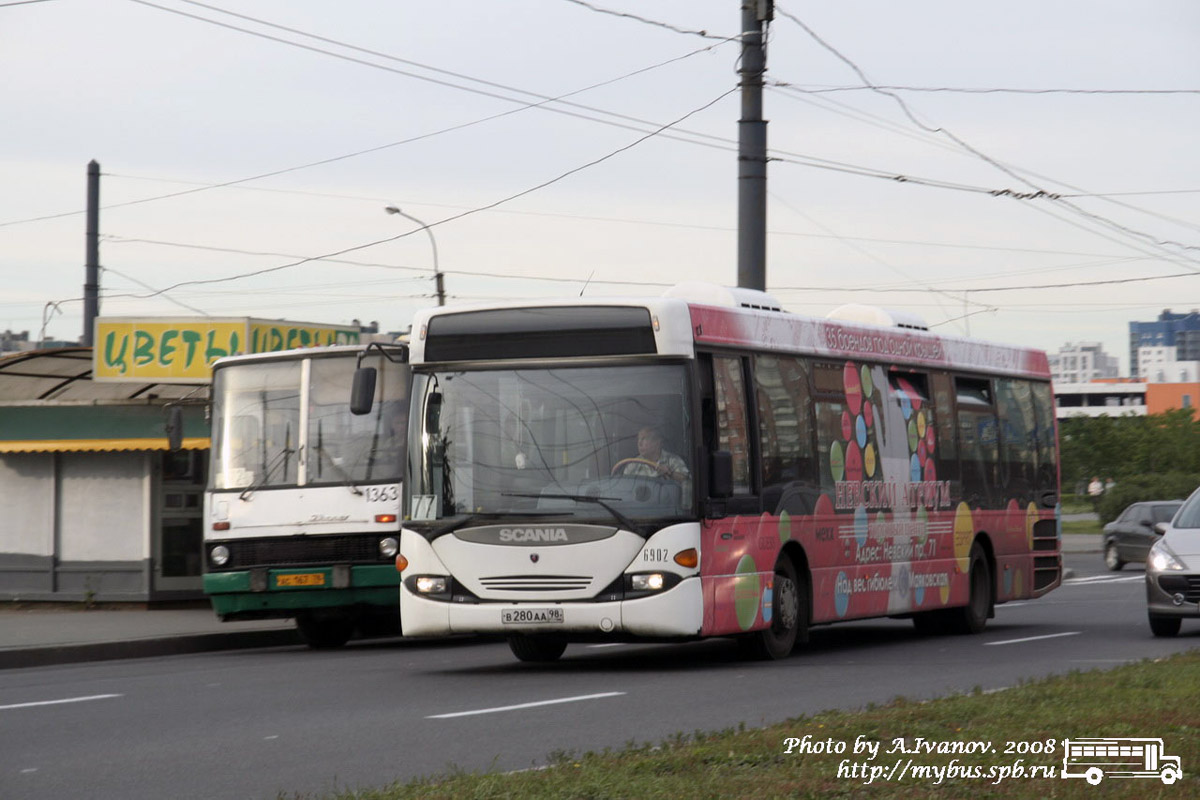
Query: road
{"x": 251, "y": 724}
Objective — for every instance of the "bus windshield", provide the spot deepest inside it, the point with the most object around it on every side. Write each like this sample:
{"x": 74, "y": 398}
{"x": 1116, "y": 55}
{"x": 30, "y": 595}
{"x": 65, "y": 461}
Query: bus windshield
{"x": 259, "y": 440}
{"x": 608, "y": 444}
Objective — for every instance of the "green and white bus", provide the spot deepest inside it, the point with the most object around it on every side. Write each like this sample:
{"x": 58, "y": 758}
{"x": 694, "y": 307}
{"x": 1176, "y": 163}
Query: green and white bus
{"x": 301, "y": 514}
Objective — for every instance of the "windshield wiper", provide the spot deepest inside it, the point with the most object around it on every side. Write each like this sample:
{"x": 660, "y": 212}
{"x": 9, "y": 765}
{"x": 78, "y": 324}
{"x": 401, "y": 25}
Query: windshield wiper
{"x": 350, "y": 484}
{"x": 279, "y": 459}
{"x": 583, "y": 498}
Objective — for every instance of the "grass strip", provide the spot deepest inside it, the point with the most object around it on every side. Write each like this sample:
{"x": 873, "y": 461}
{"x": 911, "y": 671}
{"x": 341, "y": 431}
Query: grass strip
{"x": 1159, "y": 699}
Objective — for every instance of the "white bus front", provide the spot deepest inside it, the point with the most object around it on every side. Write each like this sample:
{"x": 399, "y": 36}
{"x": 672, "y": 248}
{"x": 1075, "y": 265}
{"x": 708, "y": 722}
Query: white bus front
{"x": 302, "y": 512}
{"x": 552, "y": 502}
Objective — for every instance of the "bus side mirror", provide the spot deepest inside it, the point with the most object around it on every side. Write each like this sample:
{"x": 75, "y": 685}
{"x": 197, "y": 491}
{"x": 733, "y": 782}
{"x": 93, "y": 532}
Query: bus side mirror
{"x": 362, "y": 391}
{"x": 433, "y": 413}
{"x": 175, "y": 429}
{"x": 721, "y": 474}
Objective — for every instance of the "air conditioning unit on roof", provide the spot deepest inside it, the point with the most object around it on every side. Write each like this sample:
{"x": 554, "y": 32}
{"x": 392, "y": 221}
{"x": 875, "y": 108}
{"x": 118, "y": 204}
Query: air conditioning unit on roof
{"x": 874, "y": 315}
{"x": 711, "y": 294}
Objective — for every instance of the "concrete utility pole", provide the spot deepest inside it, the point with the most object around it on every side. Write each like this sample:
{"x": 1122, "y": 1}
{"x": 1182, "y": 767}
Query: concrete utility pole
{"x": 91, "y": 281}
{"x": 752, "y": 148}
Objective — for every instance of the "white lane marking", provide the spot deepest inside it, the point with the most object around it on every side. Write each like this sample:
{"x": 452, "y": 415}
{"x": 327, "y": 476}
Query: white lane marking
{"x": 1033, "y": 638}
{"x": 609, "y": 644}
{"x": 269, "y": 738}
{"x": 1014, "y": 605}
{"x": 526, "y": 705}
{"x": 1101, "y": 578}
{"x": 60, "y": 702}
{"x": 29, "y": 770}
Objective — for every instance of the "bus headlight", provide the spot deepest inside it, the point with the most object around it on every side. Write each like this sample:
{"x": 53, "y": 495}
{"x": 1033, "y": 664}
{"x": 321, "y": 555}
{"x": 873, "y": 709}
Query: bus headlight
{"x": 650, "y": 582}
{"x": 388, "y": 547}
{"x": 219, "y": 555}
{"x": 431, "y": 584}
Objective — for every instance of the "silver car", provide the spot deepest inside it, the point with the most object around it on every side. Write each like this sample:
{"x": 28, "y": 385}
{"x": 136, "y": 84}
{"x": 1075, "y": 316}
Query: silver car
{"x": 1173, "y": 571}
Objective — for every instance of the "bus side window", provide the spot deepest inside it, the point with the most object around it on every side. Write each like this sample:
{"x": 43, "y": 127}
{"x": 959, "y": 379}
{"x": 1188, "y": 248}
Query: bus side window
{"x": 785, "y": 432}
{"x": 733, "y": 431}
{"x": 1045, "y": 439}
{"x": 978, "y": 441}
{"x": 829, "y": 404}
{"x": 1014, "y": 402}
{"x": 945, "y": 434}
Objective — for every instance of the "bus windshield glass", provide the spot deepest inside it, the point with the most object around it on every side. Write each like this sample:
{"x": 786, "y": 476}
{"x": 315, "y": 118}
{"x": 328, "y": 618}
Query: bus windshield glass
{"x": 259, "y": 440}
{"x": 604, "y": 444}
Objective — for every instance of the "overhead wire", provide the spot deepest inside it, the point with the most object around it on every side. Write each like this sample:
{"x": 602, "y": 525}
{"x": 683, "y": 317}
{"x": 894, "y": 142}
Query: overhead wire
{"x": 993, "y": 90}
{"x": 470, "y": 212}
{"x": 652, "y": 22}
{"x": 1099, "y": 219}
{"x": 684, "y": 135}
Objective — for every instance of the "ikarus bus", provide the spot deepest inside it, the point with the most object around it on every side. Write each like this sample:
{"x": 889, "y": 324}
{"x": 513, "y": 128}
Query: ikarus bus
{"x": 301, "y": 515}
{"x": 704, "y": 464}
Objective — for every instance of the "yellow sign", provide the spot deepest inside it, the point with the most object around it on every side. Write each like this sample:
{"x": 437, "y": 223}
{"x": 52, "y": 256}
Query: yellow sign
{"x": 182, "y": 349}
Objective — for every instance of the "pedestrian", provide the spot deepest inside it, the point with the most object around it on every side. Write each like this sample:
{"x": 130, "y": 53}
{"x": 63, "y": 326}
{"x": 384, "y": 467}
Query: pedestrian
{"x": 1095, "y": 490}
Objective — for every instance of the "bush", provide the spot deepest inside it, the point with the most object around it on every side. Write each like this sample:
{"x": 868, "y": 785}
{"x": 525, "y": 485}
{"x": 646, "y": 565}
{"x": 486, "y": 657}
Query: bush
{"x": 1142, "y": 488}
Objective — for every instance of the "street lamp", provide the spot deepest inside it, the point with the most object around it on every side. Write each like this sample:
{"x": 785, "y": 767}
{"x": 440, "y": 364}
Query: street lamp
{"x": 437, "y": 273}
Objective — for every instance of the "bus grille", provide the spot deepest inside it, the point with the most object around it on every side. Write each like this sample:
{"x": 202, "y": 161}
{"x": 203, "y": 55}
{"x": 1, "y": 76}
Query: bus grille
{"x": 1046, "y": 571}
{"x": 537, "y": 583}
{"x": 295, "y": 551}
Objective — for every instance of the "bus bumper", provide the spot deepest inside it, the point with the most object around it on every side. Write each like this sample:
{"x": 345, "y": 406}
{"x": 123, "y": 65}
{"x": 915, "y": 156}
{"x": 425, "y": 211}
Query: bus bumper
{"x": 258, "y": 594}
{"x": 675, "y": 613}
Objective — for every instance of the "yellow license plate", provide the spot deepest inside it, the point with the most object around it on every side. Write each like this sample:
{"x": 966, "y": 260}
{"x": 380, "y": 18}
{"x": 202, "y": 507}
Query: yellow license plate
{"x": 301, "y": 579}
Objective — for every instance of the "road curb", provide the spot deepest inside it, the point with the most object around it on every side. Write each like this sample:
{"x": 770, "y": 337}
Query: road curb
{"x": 145, "y": 648}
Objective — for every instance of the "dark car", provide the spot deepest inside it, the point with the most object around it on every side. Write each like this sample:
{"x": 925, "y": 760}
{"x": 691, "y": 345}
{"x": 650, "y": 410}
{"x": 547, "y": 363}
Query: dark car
{"x": 1130, "y": 536}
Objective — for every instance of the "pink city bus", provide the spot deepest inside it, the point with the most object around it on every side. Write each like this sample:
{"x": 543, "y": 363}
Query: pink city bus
{"x": 704, "y": 464}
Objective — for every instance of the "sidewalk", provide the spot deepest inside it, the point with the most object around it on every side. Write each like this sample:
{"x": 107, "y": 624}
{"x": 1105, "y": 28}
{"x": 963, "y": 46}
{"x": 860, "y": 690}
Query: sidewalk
{"x": 33, "y": 637}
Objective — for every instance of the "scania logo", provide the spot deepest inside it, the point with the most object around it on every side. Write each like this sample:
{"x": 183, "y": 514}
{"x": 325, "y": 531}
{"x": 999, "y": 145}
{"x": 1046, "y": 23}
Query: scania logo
{"x": 533, "y": 535}
{"x": 511, "y": 535}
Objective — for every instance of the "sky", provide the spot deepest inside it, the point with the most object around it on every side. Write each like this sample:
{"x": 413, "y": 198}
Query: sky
{"x": 1029, "y": 176}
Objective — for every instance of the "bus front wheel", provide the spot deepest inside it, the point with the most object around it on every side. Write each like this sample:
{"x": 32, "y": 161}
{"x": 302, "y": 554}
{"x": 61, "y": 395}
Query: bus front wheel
{"x": 325, "y": 631}
{"x": 789, "y": 616}
{"x": 1094, "y": 776}
{"x": 539, "y": 649}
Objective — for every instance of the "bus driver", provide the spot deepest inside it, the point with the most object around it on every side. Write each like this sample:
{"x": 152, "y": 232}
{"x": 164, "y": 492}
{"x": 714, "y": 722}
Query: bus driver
{"x": 654, "y": 462}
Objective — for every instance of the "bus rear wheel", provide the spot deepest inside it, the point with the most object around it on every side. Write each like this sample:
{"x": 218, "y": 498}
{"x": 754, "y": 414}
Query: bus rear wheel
{"x": 538, "y": 649}
{"x": 972, "y": 617}
{"x": 325, "y": 631}
{"x": 789, "y": 616}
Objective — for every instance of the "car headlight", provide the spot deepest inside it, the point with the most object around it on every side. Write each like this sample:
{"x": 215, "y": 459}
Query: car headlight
{"x": 388, "y": 547}
{"x": 219, "y": 555}
{"x": 1162, "y": 559}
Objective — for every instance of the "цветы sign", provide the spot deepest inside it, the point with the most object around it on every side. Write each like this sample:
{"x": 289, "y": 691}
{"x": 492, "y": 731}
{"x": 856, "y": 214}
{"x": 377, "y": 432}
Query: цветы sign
{"x": 182, "y": 349}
